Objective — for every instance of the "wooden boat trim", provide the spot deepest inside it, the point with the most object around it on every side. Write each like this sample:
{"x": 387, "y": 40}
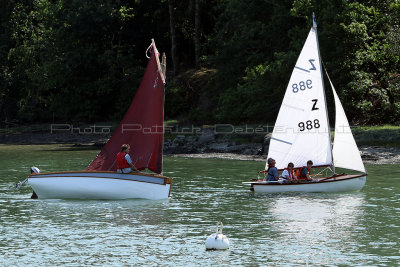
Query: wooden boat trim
{"x": 318, "y": 166}
{"x": 328, "y": 180}
{"x": 166, "y": 181}
{"x": 131, "y": 173}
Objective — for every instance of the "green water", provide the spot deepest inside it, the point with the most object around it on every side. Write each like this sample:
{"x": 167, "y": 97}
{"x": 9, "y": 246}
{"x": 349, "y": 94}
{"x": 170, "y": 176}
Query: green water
{"x": 346, "y": 229}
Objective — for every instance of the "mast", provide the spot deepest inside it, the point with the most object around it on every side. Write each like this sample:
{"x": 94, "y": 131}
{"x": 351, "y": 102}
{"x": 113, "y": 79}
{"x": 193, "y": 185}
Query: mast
{"x": 164, "y": 72}
{"x": 162, "y": 67}
{"x": 323, "y": 87}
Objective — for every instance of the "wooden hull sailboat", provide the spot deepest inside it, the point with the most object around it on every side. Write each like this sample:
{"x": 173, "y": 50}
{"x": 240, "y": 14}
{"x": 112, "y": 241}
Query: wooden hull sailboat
{"x": 302, "y": 131}
{"x": 141, "y": 128}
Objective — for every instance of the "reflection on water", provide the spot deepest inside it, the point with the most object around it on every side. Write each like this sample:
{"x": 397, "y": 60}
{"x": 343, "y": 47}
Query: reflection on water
{"x": 316, "y": 214}
{"x": 350, "y": 229}
{"x": 318, "y": 227}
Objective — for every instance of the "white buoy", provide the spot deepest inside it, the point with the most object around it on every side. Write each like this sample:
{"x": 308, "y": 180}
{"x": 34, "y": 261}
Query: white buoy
{"x": 217, "y": 240}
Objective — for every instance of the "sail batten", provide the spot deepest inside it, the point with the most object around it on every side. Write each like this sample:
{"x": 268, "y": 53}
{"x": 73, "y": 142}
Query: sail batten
{"x": 302, "y": 69}
{"x": 142, "y": 126}
{"x": 279, "y": 140}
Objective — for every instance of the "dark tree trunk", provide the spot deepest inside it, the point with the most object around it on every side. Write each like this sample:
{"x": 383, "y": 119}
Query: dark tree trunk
{"x": 173, "y": 37}
{"x": 197, "y": 33}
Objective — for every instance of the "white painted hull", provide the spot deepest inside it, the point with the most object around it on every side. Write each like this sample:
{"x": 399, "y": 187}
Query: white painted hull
{"x": 339, "y": 184}
{"x": 99, "y": 185}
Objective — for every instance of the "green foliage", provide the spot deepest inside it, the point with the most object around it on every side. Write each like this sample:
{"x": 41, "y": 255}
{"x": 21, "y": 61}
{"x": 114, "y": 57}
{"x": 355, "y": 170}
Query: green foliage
{"x": 258, "y": 94}
{"x": 188, "y": 96}
{"x": 248, "y": 36}
{"x": 83, "y": 60}
{"x": 385, "y": 135}
{"x": 71, "y": 60}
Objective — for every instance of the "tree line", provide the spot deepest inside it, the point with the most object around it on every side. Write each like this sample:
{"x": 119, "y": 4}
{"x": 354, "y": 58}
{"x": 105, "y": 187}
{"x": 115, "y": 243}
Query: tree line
{"x": 228, "y": 60}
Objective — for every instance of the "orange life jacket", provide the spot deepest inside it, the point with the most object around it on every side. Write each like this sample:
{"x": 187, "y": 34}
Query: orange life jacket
{"x": 121, "y": 161}
{"x": 301, "y": 176}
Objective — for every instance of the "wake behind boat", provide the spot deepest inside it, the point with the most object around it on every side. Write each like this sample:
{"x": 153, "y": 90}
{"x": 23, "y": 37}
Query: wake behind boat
{"x": 142, "y": 128}
{"x": 302, "y": 131}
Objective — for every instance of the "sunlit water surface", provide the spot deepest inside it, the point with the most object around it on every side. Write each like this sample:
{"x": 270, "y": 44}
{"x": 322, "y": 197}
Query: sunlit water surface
{"x": 357, "y": 228}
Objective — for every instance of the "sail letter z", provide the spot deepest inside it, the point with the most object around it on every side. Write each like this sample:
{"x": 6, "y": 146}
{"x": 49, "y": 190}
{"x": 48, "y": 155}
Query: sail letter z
{"x": 312, "y": 64}
{"x": 315, "y": 103}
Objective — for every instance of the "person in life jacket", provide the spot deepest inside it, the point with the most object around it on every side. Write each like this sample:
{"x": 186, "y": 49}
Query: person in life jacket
{"x": 124, "y": 161}
{"x": 305, "y": 172}
{"x": 272, "y": 171}
{"x": 288, "y": 174}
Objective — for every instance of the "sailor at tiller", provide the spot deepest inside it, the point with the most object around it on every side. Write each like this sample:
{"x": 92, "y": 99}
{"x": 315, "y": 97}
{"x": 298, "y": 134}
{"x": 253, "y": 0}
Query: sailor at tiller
{"x": 124, "y": 161}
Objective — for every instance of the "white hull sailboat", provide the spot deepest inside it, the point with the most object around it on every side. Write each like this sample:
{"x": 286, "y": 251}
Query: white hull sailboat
{"x": 141, "y": 128}
{"x": 339, "y": 183}
{"x": 99, "y": 185}
{"x": 302, "y": 131}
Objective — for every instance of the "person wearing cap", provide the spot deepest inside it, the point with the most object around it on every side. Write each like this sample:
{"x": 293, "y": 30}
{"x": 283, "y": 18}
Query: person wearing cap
{"x": 272, "y": 171}
{"x": 34, "y": 170}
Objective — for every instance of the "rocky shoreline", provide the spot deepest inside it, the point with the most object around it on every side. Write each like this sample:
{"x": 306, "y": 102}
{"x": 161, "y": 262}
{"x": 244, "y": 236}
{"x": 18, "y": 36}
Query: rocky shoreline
{"x": 203, "y": 145}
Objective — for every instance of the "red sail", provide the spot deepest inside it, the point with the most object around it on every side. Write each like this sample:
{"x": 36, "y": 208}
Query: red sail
{"x": 142, "y": 127}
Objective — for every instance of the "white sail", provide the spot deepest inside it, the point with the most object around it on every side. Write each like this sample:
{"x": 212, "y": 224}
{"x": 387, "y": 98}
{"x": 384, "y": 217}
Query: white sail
{"x": 301, "y": 130}
{"x": 345, "y": 150}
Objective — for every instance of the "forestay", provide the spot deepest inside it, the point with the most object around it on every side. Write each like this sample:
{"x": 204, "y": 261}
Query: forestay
{"x": 301, "y": 130}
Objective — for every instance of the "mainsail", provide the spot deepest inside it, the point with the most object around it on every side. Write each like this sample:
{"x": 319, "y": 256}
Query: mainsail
{"x": 345, "y": 150}
{"x": 142, "y": 126}
{"x": 301, "y": 130}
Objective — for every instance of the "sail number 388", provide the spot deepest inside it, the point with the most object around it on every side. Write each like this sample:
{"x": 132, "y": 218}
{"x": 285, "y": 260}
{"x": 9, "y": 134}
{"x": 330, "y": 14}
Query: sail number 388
{"x": 301, "y": 86}
{"x": 309, "y": 125}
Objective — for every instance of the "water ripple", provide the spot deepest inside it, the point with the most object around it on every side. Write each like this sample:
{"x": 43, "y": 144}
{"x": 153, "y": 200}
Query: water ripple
{"x": 349, "y": 229}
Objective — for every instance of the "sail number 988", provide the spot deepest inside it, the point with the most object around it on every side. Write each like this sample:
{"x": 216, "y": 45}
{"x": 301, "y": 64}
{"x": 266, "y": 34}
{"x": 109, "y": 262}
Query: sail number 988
{"x": 309, "y": 125}
{"x": 301, "y": 86}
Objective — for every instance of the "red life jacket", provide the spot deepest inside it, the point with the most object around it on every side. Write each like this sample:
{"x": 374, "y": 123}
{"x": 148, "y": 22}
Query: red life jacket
{"x": 121, "y": 161}
{"x": 302, "y": 176}
{"x": 291, "y": 174}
